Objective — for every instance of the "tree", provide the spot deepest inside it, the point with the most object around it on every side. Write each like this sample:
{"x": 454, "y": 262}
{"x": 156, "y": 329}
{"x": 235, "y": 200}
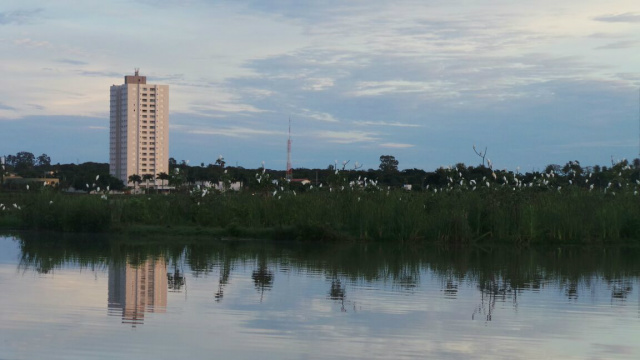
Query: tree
{"x": 24, "y": 161}
{"x": 43, "y": 160}
{"x": 482, "y": 154}
{"x": 163, "y": 177}
{"x": 136, "y": 180}
{"x": 146, "y": 178}
{"x": 220, "y": 161}
{"x": 388, "y": 164}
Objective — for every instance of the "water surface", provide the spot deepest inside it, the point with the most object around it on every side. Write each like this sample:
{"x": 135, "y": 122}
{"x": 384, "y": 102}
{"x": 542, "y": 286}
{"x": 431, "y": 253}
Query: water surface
{"x": 82, "y": 297}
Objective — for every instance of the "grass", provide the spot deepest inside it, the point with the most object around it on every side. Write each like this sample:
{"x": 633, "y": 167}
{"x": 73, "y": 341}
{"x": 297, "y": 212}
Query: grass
{"x": 454, "y": 216}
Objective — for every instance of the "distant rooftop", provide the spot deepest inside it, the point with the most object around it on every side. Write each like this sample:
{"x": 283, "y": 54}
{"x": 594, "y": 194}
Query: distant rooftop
{"x": 135, "y": 79}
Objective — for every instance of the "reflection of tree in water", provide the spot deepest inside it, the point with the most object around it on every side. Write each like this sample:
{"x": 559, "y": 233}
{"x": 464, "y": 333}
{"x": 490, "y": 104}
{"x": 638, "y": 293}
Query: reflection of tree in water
{"x": 338, "y": 293}
{"x": 492, "y": 291}
{"x": 571, "y": 290}
{"x": 225, "y": 273}
{"x": 175, "y": 279}
{"x": 574, "y": 272}
{"x": 262, "y": 278}
{"x": 450, "y": 289}
{"x": 620, "y": 289}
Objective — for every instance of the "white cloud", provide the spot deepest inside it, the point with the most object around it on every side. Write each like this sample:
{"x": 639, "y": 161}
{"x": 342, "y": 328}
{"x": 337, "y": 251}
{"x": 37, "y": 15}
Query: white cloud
{"x": 346, "y": 137}
{"x": 626, "y": 17}
{"x": 236, "y": 132}
{"x": 31, "y": 43}
{"x": 320, "y": 116}
{"x": 385, "y": 123}
{"x": 396, "y": 145}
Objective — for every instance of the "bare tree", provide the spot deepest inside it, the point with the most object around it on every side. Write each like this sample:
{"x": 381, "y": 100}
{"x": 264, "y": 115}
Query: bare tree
{"x": 482, "y": 154}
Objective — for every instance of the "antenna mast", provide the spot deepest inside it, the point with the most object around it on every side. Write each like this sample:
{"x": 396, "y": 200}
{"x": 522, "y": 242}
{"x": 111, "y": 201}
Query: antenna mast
{"x": 289, "y": 170}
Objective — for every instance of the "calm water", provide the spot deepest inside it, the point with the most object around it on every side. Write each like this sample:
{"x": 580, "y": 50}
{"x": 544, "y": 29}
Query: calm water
{"x": 62, "y": 298}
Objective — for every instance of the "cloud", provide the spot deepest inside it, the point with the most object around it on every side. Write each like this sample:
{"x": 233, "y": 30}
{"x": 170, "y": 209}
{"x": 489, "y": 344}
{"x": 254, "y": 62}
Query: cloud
{"x": 18, "y": 17}
{"x": 6, "y": 107}
{"x": 384, "y": 123}
{"x": 36, "y": 106}
{"x": 27, "y": 42}
{"x": 236, "y": 132}
{"x": 346, "y": 137}
{"x": 321, "y": 116}
{"x": 109, "y": 74}
{"x": 318, "y": 84}
{"x": 71, "y": 61}
{"x": 619, "y": 45}
{"x": 626, "y": 18}
{"x": 396, "y": 145}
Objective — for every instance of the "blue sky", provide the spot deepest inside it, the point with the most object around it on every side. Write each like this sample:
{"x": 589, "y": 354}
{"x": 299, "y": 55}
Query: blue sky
{"x": 535, "y": 82}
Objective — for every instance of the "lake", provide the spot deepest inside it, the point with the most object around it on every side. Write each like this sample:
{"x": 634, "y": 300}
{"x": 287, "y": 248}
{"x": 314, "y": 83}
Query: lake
{"x": 104, "y": 297}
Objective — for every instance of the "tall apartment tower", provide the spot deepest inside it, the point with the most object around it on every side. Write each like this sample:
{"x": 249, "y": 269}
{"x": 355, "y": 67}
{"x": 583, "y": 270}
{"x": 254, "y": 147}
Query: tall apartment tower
{"x": 139, "y": 128}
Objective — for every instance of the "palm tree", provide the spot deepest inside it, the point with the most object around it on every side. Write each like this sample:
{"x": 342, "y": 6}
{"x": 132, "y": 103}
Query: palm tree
{"x": 162, "y": 177}
{"x": 135, "y": 179}
{"x": 146, "y": 178}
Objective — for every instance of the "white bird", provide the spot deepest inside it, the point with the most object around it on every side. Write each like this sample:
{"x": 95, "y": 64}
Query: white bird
{"x": 27, "y": 186}
{"x": 97, "y": 177}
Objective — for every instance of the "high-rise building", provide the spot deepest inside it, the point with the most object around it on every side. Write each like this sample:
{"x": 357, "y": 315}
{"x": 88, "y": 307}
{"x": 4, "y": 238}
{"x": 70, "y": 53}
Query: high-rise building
{"x": 139, "y": 128}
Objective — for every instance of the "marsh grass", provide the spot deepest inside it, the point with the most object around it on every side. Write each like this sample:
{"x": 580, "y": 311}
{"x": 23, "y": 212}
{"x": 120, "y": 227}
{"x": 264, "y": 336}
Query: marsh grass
{"x": 529, "y": 216}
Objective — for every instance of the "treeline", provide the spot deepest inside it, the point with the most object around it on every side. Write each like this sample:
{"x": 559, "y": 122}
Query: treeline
{"x": 184, "y": 176}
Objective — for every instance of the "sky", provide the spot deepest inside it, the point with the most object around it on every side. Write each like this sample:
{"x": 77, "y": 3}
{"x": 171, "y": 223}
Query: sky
{"x": 533, "y": 82}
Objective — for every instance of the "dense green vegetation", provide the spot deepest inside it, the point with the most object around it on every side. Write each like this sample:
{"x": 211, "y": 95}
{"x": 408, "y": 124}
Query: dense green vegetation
{"x": 455, "y": 205}
{"x": 486, "y": 214}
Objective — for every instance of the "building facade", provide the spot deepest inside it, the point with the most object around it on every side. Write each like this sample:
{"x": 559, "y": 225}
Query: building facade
{"x": 139, "y": 129}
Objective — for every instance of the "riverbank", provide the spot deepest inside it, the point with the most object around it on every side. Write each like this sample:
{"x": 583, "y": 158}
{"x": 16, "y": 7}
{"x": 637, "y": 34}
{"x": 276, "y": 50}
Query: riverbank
{"x": 484, "y": 215}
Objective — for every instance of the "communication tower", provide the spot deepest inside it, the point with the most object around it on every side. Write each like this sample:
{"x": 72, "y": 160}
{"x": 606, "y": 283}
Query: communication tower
{"x": 289, "y": 175}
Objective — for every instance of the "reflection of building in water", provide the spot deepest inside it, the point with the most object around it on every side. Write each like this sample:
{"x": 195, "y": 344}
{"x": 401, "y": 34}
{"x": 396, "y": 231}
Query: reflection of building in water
{"x": 136, "y": 289}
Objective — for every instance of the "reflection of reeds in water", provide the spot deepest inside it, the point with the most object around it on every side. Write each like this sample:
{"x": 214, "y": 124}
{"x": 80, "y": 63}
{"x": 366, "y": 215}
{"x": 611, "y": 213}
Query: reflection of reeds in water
{"x": 500, "y": 273}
